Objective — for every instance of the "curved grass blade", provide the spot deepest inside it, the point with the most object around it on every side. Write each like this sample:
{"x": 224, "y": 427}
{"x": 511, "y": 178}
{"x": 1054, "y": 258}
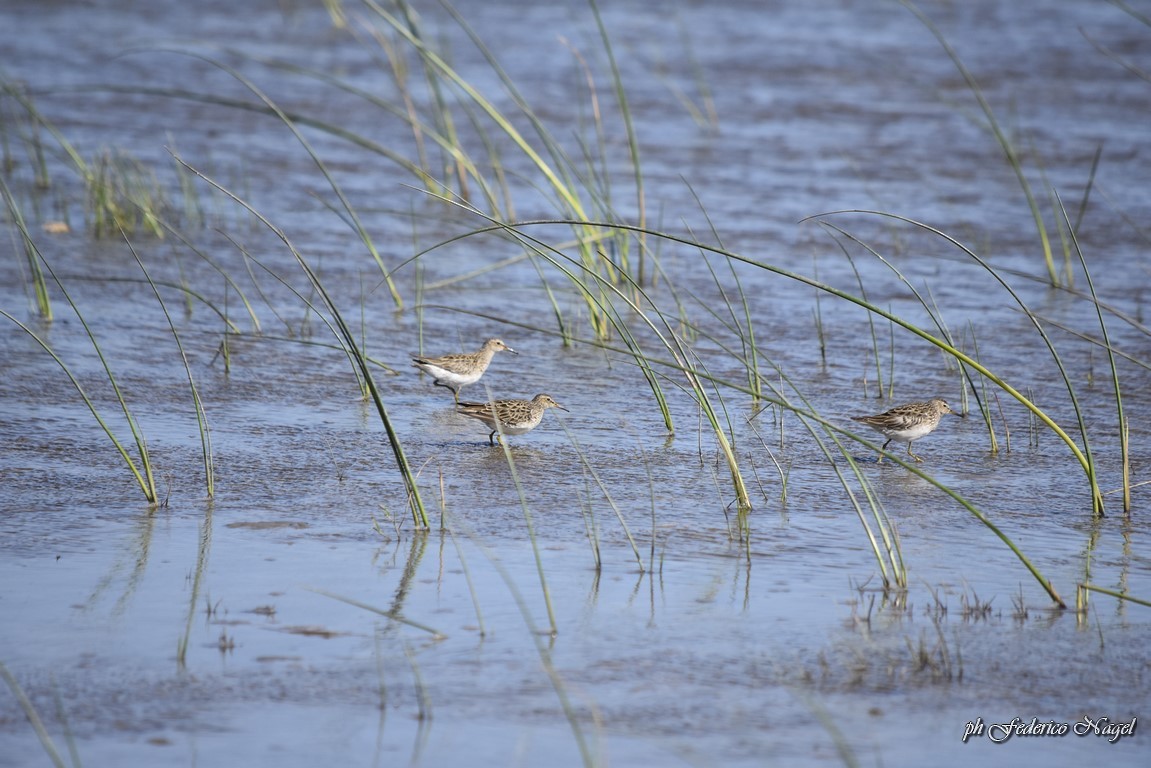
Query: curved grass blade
{"x": 348, "y": 339}
{"x": 31, "y": 253}
{"x": 201, "y": 415}
{"x": 1000, "y": 137}
{"x": 1122, "y": 420}
{"x": 291, "y": 125}
{"x": 143, "y": 478}
{"x": 1084, "y": 454}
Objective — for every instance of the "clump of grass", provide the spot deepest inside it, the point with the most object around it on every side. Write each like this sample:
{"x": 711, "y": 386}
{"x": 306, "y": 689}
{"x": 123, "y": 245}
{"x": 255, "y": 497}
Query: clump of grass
{"x": 972, "y": 608}
{"x": 42, "y": 298}
{"x": 544, "y": 154}
{"x": 17, "y": 93}
{"x": 933, "y": 659}
{"x": 123, "y": 195}
{"x": 1019, "y": 607}
{"x": 577, "y": 188}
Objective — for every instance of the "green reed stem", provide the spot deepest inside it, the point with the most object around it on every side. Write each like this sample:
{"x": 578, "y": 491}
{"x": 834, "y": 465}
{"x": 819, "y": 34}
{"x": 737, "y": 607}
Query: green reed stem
{"x": 1000, "y": 137}
{"x": 31, "y": 254}
{"x": 143, "y": 478}
{"x": 607, "y": 496}
{"x": 201, "y": 415}
{"x": 632, "y": 141}
{"x": 591, "y": 527}
{"x": 984, "y": 403}
{"x": 291, "y": 125}
{"x": 33, "y": 717}
{"x": 1113, "y": 593}
{"x": 870, "y": 321}
{"x": 1121, "y": 419}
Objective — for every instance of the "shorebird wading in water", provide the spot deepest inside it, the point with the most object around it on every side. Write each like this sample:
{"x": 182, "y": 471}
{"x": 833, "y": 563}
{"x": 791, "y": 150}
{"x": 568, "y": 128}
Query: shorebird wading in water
{"x": 905, "y": 423}
{"x": 511, "y": 417}
{"x": 457, "y": 371}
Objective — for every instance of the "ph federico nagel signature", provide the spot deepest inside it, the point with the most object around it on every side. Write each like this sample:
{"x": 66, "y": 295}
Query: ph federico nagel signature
{"x": 1102, "y": 727}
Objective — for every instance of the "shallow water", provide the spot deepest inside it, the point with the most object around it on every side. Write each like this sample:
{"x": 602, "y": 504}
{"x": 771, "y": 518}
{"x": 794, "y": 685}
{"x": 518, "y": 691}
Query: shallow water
{"x": 698, "y": 647}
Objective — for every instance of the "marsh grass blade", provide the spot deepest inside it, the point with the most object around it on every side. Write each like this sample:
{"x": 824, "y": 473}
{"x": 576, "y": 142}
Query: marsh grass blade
{"x": 1123, "y": 596}
{"x": 1082, "y": 454}
{"x": 143, "y": 473}
{"x": 349, "y": 210}
{"x": 201, "y": 414}
{"x": 347, "y": 341}
{"x": 1009, "y": 151}
{"x": 525, "y": 508}
{"x": 1121, "y": 419}
{"x": 33, "y": 718}
{"x": 606, "y": 494}
{"x": 32, "y": 256}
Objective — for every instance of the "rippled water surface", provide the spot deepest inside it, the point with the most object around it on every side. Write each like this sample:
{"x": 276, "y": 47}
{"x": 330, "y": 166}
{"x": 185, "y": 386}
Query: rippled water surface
{"x": 296, "y": 617}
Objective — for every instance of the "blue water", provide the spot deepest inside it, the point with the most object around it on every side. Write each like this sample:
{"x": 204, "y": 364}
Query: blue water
{"x": 677, "y": 640}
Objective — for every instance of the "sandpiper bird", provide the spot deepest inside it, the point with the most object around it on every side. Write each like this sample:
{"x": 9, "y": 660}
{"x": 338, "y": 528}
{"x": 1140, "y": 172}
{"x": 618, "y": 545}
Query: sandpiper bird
{"x": 456, "y": 371}
{"x": 905, "y": 423}
{"x": 512, "y": 417}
